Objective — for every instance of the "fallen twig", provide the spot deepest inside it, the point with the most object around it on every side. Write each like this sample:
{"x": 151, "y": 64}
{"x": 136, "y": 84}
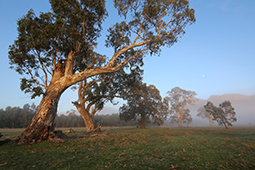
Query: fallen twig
{"x": 86, "y": 135}
{"x": 69, "y": 131}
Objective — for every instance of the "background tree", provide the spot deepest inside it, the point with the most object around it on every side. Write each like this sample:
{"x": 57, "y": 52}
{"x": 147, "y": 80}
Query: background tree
{"x": 179, "y": 98}
{"x": 186, "y": 118}
{"x": 104, "y": 88}
{"x": 205, "y": 115}
{"x": 224, "y": 114}
{"x": 56, "y": 49}
{"x": 143, "y": 103}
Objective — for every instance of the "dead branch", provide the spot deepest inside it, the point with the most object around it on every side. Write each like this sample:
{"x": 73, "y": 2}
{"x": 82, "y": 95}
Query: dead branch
{"x": 87, "y": 135}
{"x": 4, "y": 141}
{"x": 70, "y": 131}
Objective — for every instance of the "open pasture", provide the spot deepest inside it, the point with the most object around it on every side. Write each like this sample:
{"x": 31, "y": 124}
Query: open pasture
{"x": 133, "y": 148}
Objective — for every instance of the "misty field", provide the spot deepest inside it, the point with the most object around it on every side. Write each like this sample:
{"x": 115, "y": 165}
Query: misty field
{"x": 133, "y": 148}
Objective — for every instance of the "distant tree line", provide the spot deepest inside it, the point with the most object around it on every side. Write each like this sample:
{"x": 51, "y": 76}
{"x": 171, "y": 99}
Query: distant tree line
{"x": 16, "y": 117}
{"x": 140, "y": 105}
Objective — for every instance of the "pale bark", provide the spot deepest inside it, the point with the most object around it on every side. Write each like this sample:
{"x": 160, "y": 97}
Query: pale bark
{"x": 179, "y": 122}
{"x": 179, "y": 116}
{"x": 87, "y": 118}
{"x": 85, "y": 111}
{"x": 43, "y": 121}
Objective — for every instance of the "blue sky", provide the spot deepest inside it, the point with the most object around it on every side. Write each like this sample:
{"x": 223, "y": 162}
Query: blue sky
{"x": 216, "y": 55}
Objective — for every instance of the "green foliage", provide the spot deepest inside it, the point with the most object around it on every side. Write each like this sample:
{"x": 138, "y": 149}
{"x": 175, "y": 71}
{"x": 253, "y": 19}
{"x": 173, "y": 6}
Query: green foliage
{"x": 144, "y": 102}
{"x": 224, "y": 114}
{"x": 72, "y": 27}
{"x": 132, "y": 148}
{"x": 47, "y": 40}
{"x": 160, "y": 22}
{"x": 56, "y": 50}
{"x": 106, "y": 87}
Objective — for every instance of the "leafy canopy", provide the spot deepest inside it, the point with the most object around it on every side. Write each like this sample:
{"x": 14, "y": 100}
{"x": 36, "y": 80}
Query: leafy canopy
{"x": 224, "y": 114}
{"x": 106, "y": 87}
{"x": 60, "y": 44}
{"x": 47, "y": 40}
{"x": 144, "y": 101}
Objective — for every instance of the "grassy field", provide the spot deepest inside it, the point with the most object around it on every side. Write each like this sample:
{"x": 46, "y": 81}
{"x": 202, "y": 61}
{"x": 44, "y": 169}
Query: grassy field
{"x": 132, "y": 148}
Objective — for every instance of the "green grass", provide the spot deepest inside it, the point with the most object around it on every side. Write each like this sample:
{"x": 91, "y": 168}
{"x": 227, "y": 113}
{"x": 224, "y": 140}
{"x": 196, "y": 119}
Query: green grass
{"x": 132, "y": 148}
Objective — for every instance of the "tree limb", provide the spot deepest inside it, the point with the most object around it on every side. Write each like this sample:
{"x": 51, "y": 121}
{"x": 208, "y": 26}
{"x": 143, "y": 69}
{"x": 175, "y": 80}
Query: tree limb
{"x": 69, "y": 64}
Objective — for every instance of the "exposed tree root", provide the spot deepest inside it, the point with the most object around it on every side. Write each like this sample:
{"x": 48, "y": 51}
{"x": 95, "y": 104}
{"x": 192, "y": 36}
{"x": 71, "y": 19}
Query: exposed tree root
{"x": 97, "y": 129}
{"x": 57, "y": 137}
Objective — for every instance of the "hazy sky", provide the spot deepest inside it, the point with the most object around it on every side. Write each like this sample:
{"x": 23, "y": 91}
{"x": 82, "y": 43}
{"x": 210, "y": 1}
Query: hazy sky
{"x": 216, "y": 55}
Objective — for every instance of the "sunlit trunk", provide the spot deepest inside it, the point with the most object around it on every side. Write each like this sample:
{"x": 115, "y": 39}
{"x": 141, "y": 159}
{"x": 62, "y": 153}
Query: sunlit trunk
{"x": 43, "y": 121}
{"x": 87, "y": 118}
{"x": 179, "y": 117}
{"x": 179, "y": 122}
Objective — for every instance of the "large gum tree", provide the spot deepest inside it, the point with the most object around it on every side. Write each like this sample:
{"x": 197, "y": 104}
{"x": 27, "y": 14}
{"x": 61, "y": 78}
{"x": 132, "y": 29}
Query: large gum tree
{"x": 56, "y": 49}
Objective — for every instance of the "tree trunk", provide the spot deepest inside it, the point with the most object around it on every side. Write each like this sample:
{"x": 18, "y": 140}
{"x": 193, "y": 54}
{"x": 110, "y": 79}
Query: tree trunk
{"x": 43, "y": 121}
{"x": 142, "y": 125}
{"x": 210, "y": 120}
{"x": 87, "y": 118}
{"x": 179, "y": 117}
{"x": 227, "y": 127}
{"x": 180, "y": 122}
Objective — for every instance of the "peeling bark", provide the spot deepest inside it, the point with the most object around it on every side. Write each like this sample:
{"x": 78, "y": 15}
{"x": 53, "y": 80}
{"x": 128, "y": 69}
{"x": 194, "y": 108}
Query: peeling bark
{"x": 43, "y": 121}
